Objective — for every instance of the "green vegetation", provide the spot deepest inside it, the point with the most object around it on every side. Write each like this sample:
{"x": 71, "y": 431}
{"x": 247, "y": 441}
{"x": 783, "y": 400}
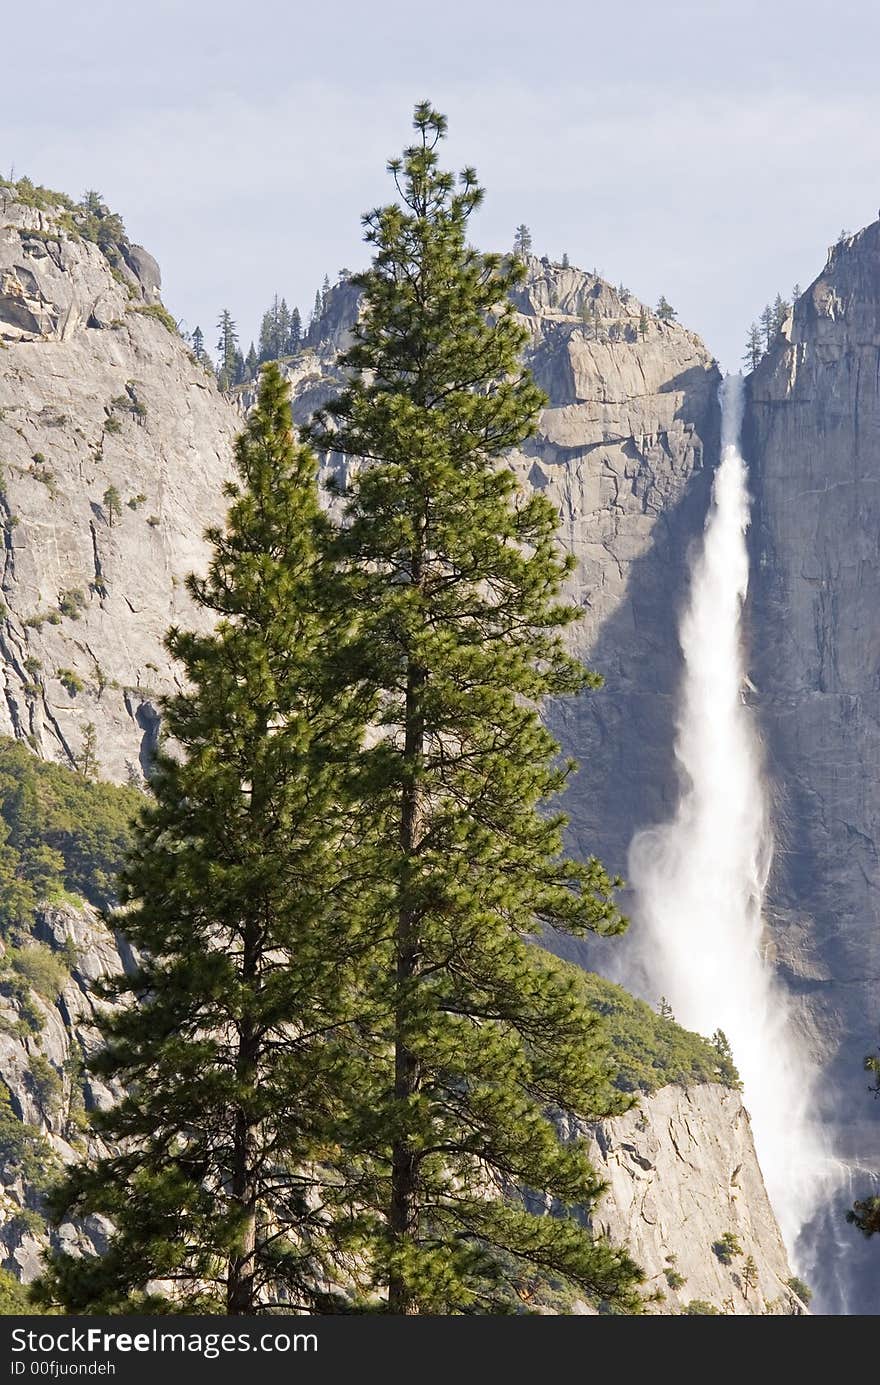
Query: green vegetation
{"x": 47, "y": 1084}
{"x": 40, "y": 618}
{"x": 320, "y": 918}
{"x": 37, "y": 196}
{"x": 112, "y": 502}
{"x": 43, "y": 970}
{"x": 14, "y": 1297}
{"x": 247, "y": 971}
{"x": 803, "y": 1291}
{"x": 71, "y": 603}
{"x": 749, "y": 1275}
{"x": 112, "y": 425}
{"x": 230, "y": 370}
{"x": 59, "y": 835}
{"x": 157, "y": 311}
{"x": 70, "y": 680}
{"x": 522, "y": 241}
{"x": 665, "y": 311}
{"x": 130, "y": 404}
{"x": 89, "y": 219}
{"x": 763, "y": 333}
{"x": 456, "y": 576}
{"x": 650, "y": 1050}
{"x": 727, "y": 1246}
{"x": 698, "y": 1307}
{"x": 24, "y": 1152}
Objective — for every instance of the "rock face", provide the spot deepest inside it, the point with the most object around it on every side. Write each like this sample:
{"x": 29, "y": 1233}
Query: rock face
{"x": 812, "y": 438}
{"x": 681, "y": 1173}
{"x": 114, "y": 444}
{"x": 42, "y": 1070}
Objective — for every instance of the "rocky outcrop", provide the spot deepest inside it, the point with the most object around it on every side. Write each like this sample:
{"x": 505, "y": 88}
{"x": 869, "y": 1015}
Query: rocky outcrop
{"x": 46, "y": 1032}
{"x": 812, "y": 439}
{"x": 682, "y": 1174}
{"x": 114, "y": 443}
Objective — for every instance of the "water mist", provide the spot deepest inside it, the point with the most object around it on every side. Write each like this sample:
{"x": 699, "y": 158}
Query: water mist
{"x": 699, "y": 880}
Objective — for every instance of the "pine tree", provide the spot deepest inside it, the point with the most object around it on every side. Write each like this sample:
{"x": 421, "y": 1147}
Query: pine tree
{"x": 781, "y": 310}
{"x": 643, "y": 322}
{"x": 754, "y": 347}
{"x": 317, "y": 309}
{"x": 565, "y": 261}
{"x": 470, "y": 1032}
{"x": 325, "y": 293}
{"x": 87, "y": 760}
{"x": 294, "y": 340}
{"x": 198, "y": 346}
{"x": 749, "y": 1275}
{"x": 267, "y": 337}
{"x": 522, "y": 241}
{"x": 766, "y": 325}
{"x": 282, "y": 329}
{"x": 251, "y": 363}
{"x": 665, "y": 311}
{"x": 234, "y": 901}
{"x": 227, "y": 349}
{"x": 112, "y": 503}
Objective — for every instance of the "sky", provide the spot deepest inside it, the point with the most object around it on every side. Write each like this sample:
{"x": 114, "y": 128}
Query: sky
{"x": 709, "y": 152}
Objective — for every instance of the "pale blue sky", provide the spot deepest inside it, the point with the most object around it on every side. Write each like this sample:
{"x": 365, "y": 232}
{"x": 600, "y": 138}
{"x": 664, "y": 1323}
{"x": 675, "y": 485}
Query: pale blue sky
{"x": 709, "y": 152}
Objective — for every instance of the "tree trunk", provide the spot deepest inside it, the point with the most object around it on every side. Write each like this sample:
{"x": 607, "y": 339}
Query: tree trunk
{"x": 240, "y": 1284}
{"x": 404, "y": 1211}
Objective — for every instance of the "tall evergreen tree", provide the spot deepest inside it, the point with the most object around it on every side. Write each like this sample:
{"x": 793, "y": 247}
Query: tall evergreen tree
{"x": 768, "y": 330}
{"x": 198, "y": 346}
{"x": 251, "y": 363}
{"x": 232, "y": 901}
{"x": 267, "y": 337}
{"x": 283, "y": 328}
{"x": 522, "y": 241}
{"x": 781, "y": 309}
{"x": 754, "y": 347}
{"x": 228, "y": 352}
{"x": 294, "y": 340}
{"x": 471, "y": 1034}
{"x": 665, "y": 310}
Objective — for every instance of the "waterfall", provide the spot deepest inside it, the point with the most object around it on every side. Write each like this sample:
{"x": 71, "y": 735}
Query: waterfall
{"x": 699, "y": 880}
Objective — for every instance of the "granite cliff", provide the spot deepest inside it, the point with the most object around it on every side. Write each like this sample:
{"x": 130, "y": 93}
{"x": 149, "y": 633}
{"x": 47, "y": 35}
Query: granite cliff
{"x": 114, "y": 444}
{"x": 812, "y": 438}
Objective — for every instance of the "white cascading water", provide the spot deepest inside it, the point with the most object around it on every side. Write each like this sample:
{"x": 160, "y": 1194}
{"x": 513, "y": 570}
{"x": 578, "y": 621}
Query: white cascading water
{"x": 699, "y": 879}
